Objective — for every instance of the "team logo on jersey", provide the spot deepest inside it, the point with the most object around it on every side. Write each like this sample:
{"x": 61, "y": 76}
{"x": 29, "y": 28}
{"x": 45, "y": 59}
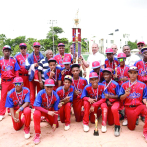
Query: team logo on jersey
{"x": 142, "y": 73}
{"x": 22, "y": 63}
{"x": 134, "y": 95}
{"x": 7, "y": 67}
{"x": 60, "y": 61}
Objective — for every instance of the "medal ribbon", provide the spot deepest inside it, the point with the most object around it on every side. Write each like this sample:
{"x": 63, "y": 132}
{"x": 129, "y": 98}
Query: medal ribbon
{"x": 106, "y": 86}
{"x": 55, "y": 76}
{"x": 19, "y": 100}
{"x": 36, "y": 58}
{"x": 144, "y": 66}
{"x": 5, "y": 63}
{"x": 49, "y": 103}
{"x": 122, "y": 75}
{"x": 132, "y": 83}
{"x": 96, "y": 97}
{"x": 76, "y": 87}
{"x": 64, "y": 92}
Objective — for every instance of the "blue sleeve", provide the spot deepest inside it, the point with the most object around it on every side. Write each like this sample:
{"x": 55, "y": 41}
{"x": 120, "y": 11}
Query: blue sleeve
{"x": 86, "y": 82}
{"x": 71, "y": 94}
{"x": 106, "y": 92}
{"x": 28, "y": 62}
{"x": 38, "y": 100}
{"x": 117, "y": 90}
{"x": 9, "y": 102}
{"x": 59, "y": 78}
{"x": 45, "y": 75}
{"x": 121, "y": 91}
{"x": 144, "y": 93}
{"x": 16, "y": 66}
{"x": 84, "y": 93}
{"x": 56, "y": 102}
{"x": 27, "y": 97}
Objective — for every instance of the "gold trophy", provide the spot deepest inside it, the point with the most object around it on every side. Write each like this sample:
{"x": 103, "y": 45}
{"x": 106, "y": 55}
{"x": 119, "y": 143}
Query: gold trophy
{"x": 96, "y": 132}
{"x": 116, "y": 77}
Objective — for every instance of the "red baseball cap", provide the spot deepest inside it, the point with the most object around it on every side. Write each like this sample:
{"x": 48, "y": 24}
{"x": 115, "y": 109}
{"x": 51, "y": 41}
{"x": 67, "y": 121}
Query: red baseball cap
{"x": 93, "y": 75}
{"x": 66, "y": 60}
{"x": 18, "y": 80}
{"x": 7, "y": 47}
{"x": 61, "y": 44}
{"x": 133, "y": 68}
{"x": 22, "y": 44}
{"x": 95, "y": 64}
{"x": 36, "y": 44}
{"x": 121, "y": 55}
{"x": 141, "y": 42}
{"x": 49, "y": 82}
{"x": 109, "y": 50}
{"x": 108, "y": 69}
{"x": 52, "y": 60}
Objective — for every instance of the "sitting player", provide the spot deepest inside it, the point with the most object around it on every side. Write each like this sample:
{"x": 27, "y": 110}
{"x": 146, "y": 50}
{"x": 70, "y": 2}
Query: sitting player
{"x": 46, "y": 104}
{"x": 112, "y": 100}
{"x": 18, "y": 100}
{"x": 53, "y": 72}
{"x": 134, "y": 95}
{"x": 93, "y": 97}
{"x": 65, "y": 94}
{"x": 79, "y": 83}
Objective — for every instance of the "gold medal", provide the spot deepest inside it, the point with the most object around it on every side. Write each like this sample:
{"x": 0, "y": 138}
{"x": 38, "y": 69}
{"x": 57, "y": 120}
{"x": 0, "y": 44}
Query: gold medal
{"x": 129, "y": 88}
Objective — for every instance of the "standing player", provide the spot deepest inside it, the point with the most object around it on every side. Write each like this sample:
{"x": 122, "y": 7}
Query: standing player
{"x": 61, "y": 55}
{"x": 46, "y": 104}
{"x": 93, "y": 97}
{"x": 79, "y": 83}
{"x": 53, "y": 72}
{"x": 21, "y": 58}
{"x": 134, "y": 95}
{"x": 9, "y": 70}
{"x": 112, "y": 100}
{"x": 32, "y": 65}
{"x": 65, "y": 94}
{"x": 18, "y": 100}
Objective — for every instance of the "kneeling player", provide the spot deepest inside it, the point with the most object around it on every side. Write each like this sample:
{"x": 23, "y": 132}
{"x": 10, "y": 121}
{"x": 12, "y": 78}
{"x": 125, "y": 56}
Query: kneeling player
{"x": 134, "y": 95}
{"x": 18, "y": 100}
{"x": 93, "y": 97}
{"x": 65, "y": 94}
{"x": 46, "y": 104}
{"x": 112, "y": 100}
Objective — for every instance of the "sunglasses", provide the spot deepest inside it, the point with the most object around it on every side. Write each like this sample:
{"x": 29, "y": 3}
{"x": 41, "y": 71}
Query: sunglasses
{"x": 140, "y": 45}
{"x": 23, "y": 48}
{"x": 17, "y": 84}
{"x": 121, "y": 60}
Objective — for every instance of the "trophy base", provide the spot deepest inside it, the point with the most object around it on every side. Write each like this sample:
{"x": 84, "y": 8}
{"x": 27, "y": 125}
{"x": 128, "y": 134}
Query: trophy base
{"x": 96, "y": 133}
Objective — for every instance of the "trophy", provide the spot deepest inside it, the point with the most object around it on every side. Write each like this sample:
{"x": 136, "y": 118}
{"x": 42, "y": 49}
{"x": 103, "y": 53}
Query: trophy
{"x": 96, "y": 132}
{"x": 116, "y": 78}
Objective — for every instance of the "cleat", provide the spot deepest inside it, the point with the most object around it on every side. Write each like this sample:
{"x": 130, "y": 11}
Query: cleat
{"x": 86, "y": 128}
{"x": 27, "y": 132}
{"x": 125, "y": 122}
{"x": 117, "y": 131}
{"x": 104, "y": 129}
{"x": 37, "y": 139}
{"x": 67, "y": 127}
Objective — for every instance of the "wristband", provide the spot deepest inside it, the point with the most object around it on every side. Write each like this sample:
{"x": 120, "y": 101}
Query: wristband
{"x": 21, "y": 108}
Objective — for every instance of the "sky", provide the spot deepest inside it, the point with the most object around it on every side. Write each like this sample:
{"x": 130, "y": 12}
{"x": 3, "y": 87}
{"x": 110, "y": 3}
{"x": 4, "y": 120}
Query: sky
{"x": 31, "y": 18}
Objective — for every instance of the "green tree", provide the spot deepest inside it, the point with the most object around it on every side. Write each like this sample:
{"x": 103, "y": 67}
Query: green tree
{"x": 133, "y": 45}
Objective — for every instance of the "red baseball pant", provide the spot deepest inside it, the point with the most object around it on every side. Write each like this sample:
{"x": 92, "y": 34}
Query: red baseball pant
{"x": 132, "y": 115}
{"x": 112, "y": 113}
{"x": 87, "y": 106}
{"x": 64, "y": 113}
{"x": 26, "y": 120}
{"x": 25, "y": 81}
{"x": 37, "y": 120}
{"x": 6, "y": 87}
{"x": 33, "y": 85}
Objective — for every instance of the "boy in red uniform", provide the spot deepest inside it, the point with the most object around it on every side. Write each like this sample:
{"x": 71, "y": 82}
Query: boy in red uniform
{"x": 93, "y": 96}
{"x": 112, "y": 100}
{"x": 9, "y": 70}
{"x": 79, "y": 83}
{"x": 134, "y": 95}
{"x": 65, "y": 94}
{"x": 53, "y": 72}
{"x": 18, "y": 100}
{"x": 46, "y": 104}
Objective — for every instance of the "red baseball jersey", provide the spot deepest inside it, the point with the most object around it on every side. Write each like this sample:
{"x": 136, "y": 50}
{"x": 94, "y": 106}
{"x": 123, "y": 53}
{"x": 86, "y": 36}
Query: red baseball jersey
{"x": 8, "y": 68}
{"x": 100, "y": 74}
{"x": 142, "y": 73}
{"x": 138, "y": 92}
{"x": 79, "y": 85}
{"x": 21, "y": 62}
{"x": 122, "y": 71}
{"x": 111, "y": 64}
{"x": 36, "y": 58}
{"x": 66, "y": 72}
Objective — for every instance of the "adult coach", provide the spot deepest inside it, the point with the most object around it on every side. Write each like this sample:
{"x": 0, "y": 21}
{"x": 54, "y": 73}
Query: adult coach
{"x": 95, "y": 56}
{"x": 130, "y": 58}
{"x": 114, "y": 47}
{"x": 21, "y": 58}
{"x": 61, "y": 55}
{"x": 140, "y": 45}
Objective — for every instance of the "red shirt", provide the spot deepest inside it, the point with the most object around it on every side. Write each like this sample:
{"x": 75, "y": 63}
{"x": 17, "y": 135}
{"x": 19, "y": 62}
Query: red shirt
{"x": 111, "y": 64}
{"x": 36, "y": 58}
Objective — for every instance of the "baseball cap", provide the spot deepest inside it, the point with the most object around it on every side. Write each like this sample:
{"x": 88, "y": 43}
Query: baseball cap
{"x": 66, "y": 60}
{"x": 68, "y": 77}
{"x": 93, "y": 75}
{"x": 107, "y": 70}
{"x": 49, "y": 82}
{"x": 133, "y": 68}
{"x": 22, "y": 44}
{"x": 141, "y": 42}
{"x": 61, "y": 44}
{"x": 121, "y": 55}
{"x": 95, "y": 64}
{"x": 109, "y": 50}
{"x": 18, "y": 80}
{"x": 36, "y": 44}
{"x": 75, "y": 65}
{"x": 143, "y": 49}
{"x": 52, "y": 60}
{"x": 7, "y": 47}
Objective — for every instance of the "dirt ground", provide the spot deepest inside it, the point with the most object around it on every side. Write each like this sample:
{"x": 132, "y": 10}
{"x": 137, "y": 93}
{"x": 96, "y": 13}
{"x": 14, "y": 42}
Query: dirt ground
{"x": 75, "y": 137}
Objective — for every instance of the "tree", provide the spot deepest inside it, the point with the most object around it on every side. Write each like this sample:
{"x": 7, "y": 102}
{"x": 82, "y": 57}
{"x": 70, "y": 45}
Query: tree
{"x": 133, "y": 45}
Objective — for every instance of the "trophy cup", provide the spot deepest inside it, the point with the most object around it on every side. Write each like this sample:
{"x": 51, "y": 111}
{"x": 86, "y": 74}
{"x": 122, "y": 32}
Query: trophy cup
{"x": 96, "y": 132}
{"x": 116, "y": 78}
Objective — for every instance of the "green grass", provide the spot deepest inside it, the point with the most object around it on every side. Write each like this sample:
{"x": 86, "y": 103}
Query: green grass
{"x": 85, "y": 57}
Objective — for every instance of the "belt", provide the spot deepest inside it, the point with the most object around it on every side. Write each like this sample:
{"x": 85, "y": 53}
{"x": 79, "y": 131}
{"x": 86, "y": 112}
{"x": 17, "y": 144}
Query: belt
{"x": 132, "y": 106}
{"x": 23, "y": 74}
{"x": 6, "y": 80}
